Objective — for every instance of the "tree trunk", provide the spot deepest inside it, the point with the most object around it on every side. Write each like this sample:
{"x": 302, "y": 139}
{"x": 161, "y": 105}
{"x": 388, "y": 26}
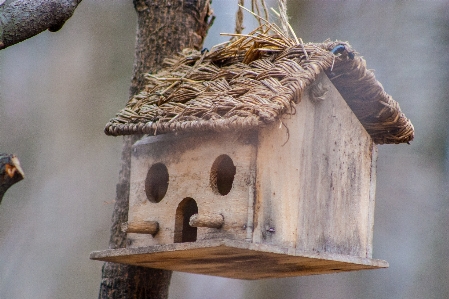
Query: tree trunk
{"x": 164, "y": 28}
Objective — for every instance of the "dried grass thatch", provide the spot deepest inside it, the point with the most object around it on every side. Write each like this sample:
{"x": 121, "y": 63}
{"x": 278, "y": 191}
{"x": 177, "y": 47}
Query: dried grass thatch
{"x": 251, "y": 82}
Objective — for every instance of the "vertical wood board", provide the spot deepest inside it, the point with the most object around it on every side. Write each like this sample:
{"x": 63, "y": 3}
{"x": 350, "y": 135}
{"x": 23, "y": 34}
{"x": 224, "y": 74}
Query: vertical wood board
{"x": 314, "y": 178}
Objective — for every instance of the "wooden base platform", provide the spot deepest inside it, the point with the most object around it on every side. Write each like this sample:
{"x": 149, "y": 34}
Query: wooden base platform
{"x": 236, "y": 259}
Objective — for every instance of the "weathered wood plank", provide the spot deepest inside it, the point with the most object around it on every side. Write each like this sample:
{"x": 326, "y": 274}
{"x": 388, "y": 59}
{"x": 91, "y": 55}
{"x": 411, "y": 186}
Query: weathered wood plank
{"x": 207, "y": 220}
{"x": 237, "y": 259}
{"x": 300, "y": 193}
{"x": 189, "y": 160}
{"x": 314, "y": 184}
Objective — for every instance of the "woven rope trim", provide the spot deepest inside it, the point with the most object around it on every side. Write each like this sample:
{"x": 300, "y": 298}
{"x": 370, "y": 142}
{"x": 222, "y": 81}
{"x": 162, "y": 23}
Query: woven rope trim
{"x": 252, "y": 82}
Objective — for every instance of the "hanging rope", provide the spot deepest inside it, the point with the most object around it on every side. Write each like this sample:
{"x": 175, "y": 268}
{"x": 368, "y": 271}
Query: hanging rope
{"x": 239, "y": 18}
{"x": 282, "y": 4}
{"x": 254, "y": 8}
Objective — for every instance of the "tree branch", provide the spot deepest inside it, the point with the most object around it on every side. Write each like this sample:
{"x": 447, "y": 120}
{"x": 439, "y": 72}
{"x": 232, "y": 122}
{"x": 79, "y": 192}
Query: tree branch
{"x": 22, "y": 19}
{"x": 10, "y": 172}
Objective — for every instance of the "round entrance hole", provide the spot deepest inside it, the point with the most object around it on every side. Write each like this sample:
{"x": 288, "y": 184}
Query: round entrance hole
{"x": 156, "y": 183}
{"x": 222, "y": 174}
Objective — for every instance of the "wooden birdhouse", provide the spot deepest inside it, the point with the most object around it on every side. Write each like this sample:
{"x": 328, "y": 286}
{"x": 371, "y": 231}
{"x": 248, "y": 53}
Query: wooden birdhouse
{"x": 258, "y": 161}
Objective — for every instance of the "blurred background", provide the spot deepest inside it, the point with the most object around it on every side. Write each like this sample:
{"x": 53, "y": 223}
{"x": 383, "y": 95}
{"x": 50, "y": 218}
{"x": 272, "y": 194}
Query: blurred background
{"x": 58, "y": 90}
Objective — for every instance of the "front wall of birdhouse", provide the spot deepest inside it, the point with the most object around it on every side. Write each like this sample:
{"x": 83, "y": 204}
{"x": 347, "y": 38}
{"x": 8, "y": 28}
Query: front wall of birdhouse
{"x": 173, "y": 172}
{"x": 316, "y": 178}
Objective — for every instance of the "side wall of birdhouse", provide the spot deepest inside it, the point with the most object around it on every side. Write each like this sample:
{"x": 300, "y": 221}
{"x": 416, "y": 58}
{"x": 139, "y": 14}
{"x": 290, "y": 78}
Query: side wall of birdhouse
{"x": 172, "y": 175}
{"x": 316, "y": 178}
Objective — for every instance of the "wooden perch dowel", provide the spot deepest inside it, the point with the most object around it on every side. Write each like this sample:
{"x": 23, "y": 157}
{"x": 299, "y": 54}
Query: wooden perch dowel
{"x": 207, "y": 220}
{"x": 141, "y": 227}
{"x": 10, "y": 172}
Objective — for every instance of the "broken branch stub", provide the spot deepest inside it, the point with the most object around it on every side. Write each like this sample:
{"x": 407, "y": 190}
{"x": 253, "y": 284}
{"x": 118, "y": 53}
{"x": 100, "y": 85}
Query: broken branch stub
{"x": 10, "y": 172}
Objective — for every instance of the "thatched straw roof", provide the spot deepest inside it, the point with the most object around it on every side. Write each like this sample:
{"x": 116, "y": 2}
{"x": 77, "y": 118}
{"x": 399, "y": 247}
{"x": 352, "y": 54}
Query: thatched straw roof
{"x": 252, "y": 82}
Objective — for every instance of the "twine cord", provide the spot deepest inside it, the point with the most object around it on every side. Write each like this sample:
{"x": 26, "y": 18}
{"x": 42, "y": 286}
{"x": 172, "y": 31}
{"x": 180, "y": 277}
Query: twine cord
{"x": 282, "y": 5}
{"x": 254, "y": 8}
{"x": 239, "y": 18}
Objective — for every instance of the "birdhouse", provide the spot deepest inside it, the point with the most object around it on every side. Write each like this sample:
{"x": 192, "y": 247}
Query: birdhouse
{"x": 258, "y": 160}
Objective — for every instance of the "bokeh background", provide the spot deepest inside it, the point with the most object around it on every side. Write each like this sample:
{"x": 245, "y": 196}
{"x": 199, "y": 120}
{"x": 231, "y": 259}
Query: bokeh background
{"x": 58, "y": 90}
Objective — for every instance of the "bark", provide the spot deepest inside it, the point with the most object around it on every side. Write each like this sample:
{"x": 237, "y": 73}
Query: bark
{"x": 22, "y": 19}
{"x": 164, "y": 28}
{"x": 10, "y": 172}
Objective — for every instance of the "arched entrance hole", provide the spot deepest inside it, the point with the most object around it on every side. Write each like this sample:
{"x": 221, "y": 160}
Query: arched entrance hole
{"x": 183, "y": 231}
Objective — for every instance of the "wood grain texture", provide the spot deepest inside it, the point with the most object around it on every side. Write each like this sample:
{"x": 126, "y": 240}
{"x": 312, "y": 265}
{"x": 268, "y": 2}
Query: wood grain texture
{"x": 237, "y": 259}
{"x": 301, "y": 200}
{"x": 207, "y": 220}
{"x": 141, "y": 227}
{"x": 190, "y": 160}
{"x": 314, "y": 184}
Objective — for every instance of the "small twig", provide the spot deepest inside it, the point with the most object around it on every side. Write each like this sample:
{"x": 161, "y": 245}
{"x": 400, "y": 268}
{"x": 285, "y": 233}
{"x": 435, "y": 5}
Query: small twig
{"x": 254, "y": 14}
{"x": 266, "y": 38}
{"x": 273, "y": 26}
